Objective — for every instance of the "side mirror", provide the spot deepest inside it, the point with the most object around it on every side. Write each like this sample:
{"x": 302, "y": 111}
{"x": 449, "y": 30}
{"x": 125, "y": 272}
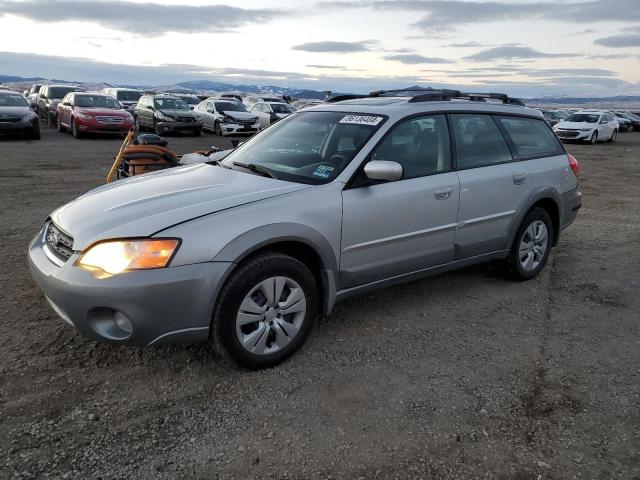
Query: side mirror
{"x": 209, "y": 110}
{"x": 67, "y": 104}
{"x": 34, "y": 108}
{"x": 383, "y": 170}
{"x": 150, "y": 107}
{"x": 603, "y": 122}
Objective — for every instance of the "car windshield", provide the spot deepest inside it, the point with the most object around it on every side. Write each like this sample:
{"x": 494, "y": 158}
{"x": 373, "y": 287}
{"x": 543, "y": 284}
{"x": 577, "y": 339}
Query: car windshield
{"x": 633, "y": 117}
{"x": 59, "y": 92}
{"x": 13, "y": 101}
{"x": 170, "y": 104}
{"x": 191, "y": 100}
{"x": 96, "y": 101}
{"x": 282, "y": 108}
{"x": 309, "y": 147}
{"x": 128, "y": 95}
{"x": 230, "y": 107}
{"x": 556, "y": 115}
{"x": 584, "y": 118}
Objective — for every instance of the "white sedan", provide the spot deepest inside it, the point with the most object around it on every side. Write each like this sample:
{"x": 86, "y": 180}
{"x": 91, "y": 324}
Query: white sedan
{"x": 226, "y": 117}
{"x": 588, "y": 126}
{"x": 271, "y": 112}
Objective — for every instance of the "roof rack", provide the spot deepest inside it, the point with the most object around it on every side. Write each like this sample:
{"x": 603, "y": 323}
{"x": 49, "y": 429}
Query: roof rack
{"x": 340, "y": 98}
{"x": 436, "y": 95}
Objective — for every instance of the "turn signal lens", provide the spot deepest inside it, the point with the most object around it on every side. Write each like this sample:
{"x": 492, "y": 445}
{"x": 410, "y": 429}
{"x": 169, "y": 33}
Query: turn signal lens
{"x": 118, "y": 256}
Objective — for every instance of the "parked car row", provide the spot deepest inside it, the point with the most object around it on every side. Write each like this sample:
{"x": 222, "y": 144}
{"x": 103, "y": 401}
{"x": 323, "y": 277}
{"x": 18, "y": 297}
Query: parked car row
{"x": 590, "y": 126}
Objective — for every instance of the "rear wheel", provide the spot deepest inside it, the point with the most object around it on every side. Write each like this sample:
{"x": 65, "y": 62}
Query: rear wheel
{"x": 265, "y": 311}
{"x": 532, "y": 245}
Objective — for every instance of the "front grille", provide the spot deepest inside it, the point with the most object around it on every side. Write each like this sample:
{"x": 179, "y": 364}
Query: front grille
{"x": 7, "y": 119}
{"x": 185, "y": 119}
{"x": 60, "y": 244}
{"x": 568, "y": 133}
{"x": 111, "y": 120}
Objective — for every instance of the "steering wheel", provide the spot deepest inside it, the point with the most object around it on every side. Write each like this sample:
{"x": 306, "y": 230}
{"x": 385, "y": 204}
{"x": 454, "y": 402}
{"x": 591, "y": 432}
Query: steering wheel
{"x": 341, "y": 158}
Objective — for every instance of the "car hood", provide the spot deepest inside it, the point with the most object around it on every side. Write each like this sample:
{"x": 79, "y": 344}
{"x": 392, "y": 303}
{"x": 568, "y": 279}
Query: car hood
{"x": 14, "y": 111}
{"x": 143, "y": 205}
{"x": 575, "y": 125}
{"x": 240, "y": 115}
{"x": 178, "y": 113}
{"x": 102, "y": 112}
{"x": 282, "y": 115}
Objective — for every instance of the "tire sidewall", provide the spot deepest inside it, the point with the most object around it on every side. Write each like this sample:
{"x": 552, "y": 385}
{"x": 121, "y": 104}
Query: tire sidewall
{"x": 239, "y": 285}
{"x": 594, "y": 138}
{"x": 535, "y": 214}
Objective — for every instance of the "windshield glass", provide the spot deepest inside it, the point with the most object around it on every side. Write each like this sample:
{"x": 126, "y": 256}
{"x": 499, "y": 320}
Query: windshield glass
{"x": 96, "y": 101}
{"x": 59, "y": 92}
{"x": 282, "y": 108}
{"x": 128, "y": 95}
{"x": 191, "y": 100}
{"x": 309, "y": 147}
{"x": 230, "y": 107}
{"x": 13, "y": 101}
{"x": 584, "y": 118}
{"x": 170, "y": 104}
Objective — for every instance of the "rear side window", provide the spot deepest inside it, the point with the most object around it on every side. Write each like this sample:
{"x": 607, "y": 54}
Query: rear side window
{"x": 531, "y": 138}
{"x": 478, "y": 141}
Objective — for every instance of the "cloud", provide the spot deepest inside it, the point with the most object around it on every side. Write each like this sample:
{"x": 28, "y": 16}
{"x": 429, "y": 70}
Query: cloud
{"x": 609, "y": 56}
{"x": 629, "y": 40}
{"x": 335, "y": 47}
{"x": 414, "y": 59}
{"x": 558, "y": 72}
{"x": 512, "y": 52}
{"x": 465, "y": 45}
{"x": 328, "y": 67}
{"x": 150, "y": 19}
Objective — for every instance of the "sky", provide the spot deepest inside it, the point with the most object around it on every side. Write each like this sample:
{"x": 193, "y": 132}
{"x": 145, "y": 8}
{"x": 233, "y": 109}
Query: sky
{"x": 524, "y": 48}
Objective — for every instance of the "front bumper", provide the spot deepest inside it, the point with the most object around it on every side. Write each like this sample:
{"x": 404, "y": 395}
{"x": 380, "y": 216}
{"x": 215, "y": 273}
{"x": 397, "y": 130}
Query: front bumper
{"x": 570, "y": 204}
{"x": 166, "y": 305}
{"x": 237, "y": 128}
{"x": 574, "y": 135}
{"x": 14, "y": 126}
{"x": 97, "y": 127}
{"x": 167, "y": 127}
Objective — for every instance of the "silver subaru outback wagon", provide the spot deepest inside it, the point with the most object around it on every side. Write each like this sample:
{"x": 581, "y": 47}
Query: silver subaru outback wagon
{"x": 330, "y": 202}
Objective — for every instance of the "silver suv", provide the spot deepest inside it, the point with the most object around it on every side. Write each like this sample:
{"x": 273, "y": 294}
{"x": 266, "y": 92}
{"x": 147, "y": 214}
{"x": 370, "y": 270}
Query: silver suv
{"x": 333, "y": 201}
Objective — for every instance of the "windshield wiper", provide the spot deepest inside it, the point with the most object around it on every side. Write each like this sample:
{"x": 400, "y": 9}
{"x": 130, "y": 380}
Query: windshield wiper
{"x": 265, "y": 172}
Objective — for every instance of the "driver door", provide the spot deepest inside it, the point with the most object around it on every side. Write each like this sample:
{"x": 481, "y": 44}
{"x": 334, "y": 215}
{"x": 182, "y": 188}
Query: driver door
{"x": 394, "y": 228}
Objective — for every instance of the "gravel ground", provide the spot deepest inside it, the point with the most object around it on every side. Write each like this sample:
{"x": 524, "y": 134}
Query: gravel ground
{"x": 461, "y": 376}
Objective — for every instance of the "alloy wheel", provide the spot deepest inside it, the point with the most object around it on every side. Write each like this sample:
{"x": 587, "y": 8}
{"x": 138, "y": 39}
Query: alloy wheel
{"x": 271, "y": 315}
{"x": 533, "y": 245}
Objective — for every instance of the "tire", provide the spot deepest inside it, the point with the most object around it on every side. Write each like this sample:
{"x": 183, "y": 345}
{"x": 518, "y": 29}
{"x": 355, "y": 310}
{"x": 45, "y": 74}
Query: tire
{"x": 74, "y": 129}
{"x": 50, "y": 119}
{"x": 35, "y": 133}
{"x": 197, "y": 132}
{"x": 594, "y": 138}
{"x": 526, "y": 259}
{"x": 137, "y": 126}
{"x": 613, "y": 136}
{"x": 246, "y": 286}
{"x": 45, "y": 115}
{"x": 59, "y": 125}
{"x": 157, "y": 130}
{"x": 217, "y": 129}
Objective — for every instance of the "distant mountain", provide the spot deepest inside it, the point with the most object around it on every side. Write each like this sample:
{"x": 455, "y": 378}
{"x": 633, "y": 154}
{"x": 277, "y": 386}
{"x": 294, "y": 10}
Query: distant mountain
{"x": 208, "y": 85}
{"x": 583, "y": 100}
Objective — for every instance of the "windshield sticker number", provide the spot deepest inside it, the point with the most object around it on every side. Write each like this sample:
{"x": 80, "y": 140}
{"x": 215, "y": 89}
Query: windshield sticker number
{"x": 361, "y": 119}
{"x": 323, "y": 171}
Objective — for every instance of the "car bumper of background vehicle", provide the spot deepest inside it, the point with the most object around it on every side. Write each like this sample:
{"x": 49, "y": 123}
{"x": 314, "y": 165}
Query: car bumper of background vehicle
{"x": 167, "y": 127}
{"x": 14, "y": 126}
{"x": 167, "y": 305}
{"x": 581, "y": 136}
{"x": 235, "y": 128}
{"x": 570, "y": 204}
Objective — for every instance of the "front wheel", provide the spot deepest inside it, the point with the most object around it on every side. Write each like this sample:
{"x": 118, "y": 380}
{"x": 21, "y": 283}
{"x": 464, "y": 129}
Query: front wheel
{"x": 217, "y": 129}
{"x": 136, "y": 125}
{"x": 74, "y": 129}
{"x": 594, "y": 138}
{"x": 532, "y": 245}
{"x": 613, "y": 137}
{"x": 197, "y": 132}
{"x": 265, "y": 311}
{"x": 35, "y": 133}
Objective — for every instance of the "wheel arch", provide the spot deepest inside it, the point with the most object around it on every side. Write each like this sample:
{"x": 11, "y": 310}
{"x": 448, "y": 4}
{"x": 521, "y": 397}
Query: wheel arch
{"x": 546, "y": 198}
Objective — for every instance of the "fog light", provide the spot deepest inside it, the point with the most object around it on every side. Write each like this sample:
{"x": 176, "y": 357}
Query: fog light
{"x": 123, "y": 322}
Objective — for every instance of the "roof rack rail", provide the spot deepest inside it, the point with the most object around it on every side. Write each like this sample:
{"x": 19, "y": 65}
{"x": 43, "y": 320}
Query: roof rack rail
{"x": 429, "y": 94}
{"x": 340, "y": 98}
{"x": 482, "y": 97}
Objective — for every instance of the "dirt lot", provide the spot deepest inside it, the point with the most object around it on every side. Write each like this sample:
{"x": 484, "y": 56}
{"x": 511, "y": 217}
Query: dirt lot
{"x": 461, "y": 376}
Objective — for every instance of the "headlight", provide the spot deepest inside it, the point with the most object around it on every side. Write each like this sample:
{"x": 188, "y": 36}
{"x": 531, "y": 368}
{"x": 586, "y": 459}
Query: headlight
{"x": 117, "y": 256}
{"x": 163, "y": 116}
{"x": 84, "y": 116}
{"x": 28, "y": 117}
{"x": 586, "y": 129}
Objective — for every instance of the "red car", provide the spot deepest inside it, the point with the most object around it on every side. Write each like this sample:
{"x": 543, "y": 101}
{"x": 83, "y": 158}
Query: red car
{"x": 83, "y": 112}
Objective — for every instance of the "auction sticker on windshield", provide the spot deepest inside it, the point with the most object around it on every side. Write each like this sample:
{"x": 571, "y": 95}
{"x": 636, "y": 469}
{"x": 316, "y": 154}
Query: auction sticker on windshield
{"x": 361, "y": 119}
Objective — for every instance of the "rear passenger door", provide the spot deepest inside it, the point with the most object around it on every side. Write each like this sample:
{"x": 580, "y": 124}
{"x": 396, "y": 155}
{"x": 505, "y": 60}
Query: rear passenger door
{"x": 492, "y": 185}
{"x": 395, "y": 228}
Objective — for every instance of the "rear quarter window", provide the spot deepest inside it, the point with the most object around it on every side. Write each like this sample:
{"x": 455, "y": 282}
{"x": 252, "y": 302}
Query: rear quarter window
{"x": 531, "y": 137}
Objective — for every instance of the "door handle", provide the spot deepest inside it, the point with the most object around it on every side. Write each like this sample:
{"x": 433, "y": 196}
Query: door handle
{"x": 443, "y": 193}
{"x": 519, "y": 178}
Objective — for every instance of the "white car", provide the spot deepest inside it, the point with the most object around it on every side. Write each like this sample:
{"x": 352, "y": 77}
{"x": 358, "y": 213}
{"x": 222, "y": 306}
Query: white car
{"x": 251, "y": 100}
{"x": 226, "y": 117}
{"x": 271, "y": 112}
{"x": 588, "y": 126}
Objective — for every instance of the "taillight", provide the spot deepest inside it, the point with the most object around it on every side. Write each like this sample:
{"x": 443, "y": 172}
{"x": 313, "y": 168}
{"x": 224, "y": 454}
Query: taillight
{"x": 574, "y": 165}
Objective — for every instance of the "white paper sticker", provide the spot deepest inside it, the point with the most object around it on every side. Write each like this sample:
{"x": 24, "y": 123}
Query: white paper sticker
{"x": 361, "y": 119}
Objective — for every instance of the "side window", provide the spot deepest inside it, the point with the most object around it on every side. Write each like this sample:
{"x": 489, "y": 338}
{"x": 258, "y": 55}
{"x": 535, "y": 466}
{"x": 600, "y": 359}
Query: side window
{"x": 478, "y": 141}
{"x": 420, "y": 145}
{"x": 210, "y": 107}
{"x": 531, "y": 138}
